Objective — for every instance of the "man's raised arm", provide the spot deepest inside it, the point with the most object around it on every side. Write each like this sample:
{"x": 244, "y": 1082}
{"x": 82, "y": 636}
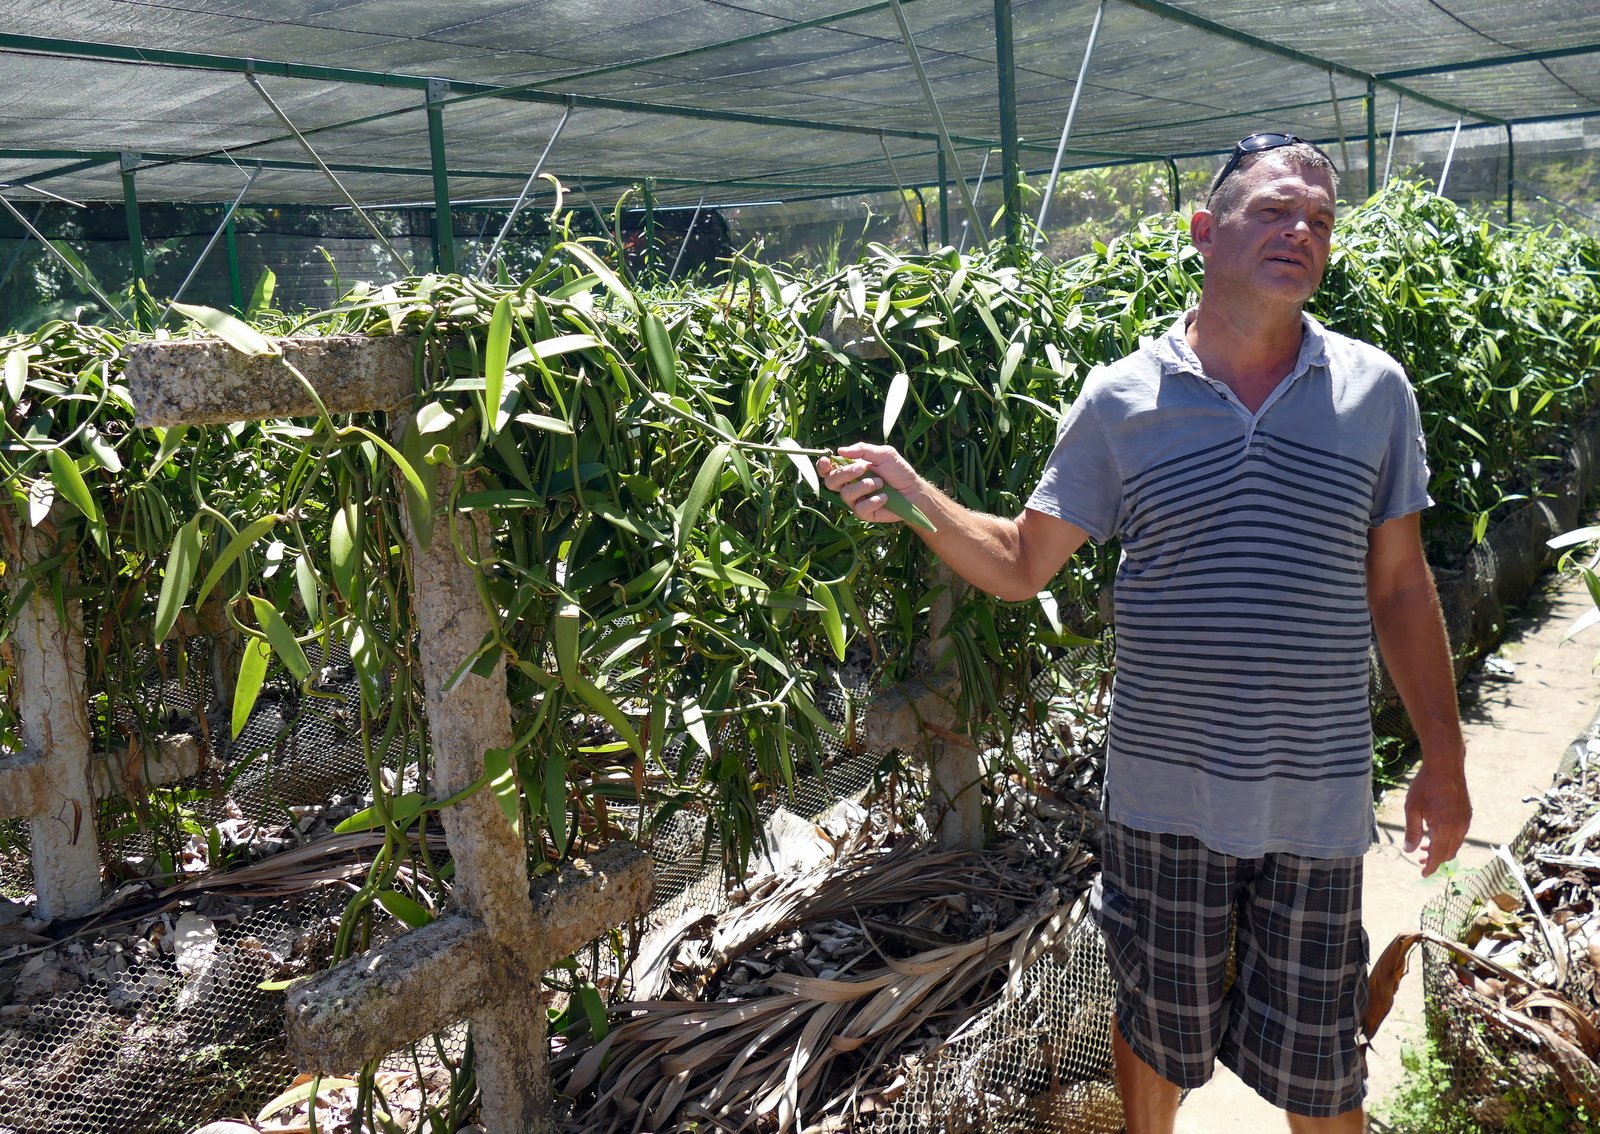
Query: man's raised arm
{"x": 1011, "y": 559}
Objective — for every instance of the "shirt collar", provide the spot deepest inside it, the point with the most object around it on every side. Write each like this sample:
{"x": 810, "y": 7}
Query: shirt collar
{"x": 1176, "y": 356}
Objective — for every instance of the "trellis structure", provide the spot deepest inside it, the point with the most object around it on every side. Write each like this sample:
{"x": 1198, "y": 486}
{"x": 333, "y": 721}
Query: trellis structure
{"x": 708, "y": 101}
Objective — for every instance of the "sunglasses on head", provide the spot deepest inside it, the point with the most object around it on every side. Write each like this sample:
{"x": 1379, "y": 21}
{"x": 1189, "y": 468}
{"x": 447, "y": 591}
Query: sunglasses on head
{"x": 1258, "y": 144}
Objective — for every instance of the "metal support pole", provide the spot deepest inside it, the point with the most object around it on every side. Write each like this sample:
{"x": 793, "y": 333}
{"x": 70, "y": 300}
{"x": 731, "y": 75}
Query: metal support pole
{"x": 444, "y": 233}
{"x": 1450, "y": 157}
{"x": 977, "y": 195}
{"x": 1338, "y": 121}
{"x": 494, "y": 249}
{"x": 326, "y": 172}
{"x": 1010, "y": 156}
{"x": 688, "y": 232}
{"x": 130, "y": 206}
{"x": 944, "y": 203}
{"x": 85, "y": 281}
{"x": 938, "y": 120}
{"x": 1372, "y": 138}
{"x": 1394, "y": 130}
{"x": 227, "y": 220}
{"x": 1072, "y": 112}
{"x": 1511, "y": 167}
{"x": 1173, "y": 182}
{"x": 649, "y": 225}
{"x": 235, "y": 283}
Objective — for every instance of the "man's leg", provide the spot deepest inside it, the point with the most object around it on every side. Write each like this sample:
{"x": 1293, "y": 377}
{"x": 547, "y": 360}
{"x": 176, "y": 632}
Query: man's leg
{"x": 1149, "y": 1102}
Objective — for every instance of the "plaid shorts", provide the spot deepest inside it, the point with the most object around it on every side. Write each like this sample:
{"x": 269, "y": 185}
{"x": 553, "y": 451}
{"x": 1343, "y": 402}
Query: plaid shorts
{"x": 1285, "y": 1014}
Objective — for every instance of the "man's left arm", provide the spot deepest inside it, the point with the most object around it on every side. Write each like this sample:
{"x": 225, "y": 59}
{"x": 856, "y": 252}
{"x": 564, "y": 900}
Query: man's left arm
{"x": 1411, "y": 634}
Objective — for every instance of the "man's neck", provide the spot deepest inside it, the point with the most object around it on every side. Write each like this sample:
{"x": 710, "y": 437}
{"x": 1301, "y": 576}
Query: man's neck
{"x": 1250, "y": 351}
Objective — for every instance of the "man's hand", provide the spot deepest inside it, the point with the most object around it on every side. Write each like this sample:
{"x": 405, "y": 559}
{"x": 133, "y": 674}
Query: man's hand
{"x": 860, "y": 482}
{"x": 1438, "y": 813}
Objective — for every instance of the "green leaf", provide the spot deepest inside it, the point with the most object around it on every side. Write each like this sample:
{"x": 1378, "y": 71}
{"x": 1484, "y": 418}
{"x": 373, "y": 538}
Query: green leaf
{"x": 802, "y": 463}
{"x": 70, "y": 484}
{"x": 394, "y": 455}
{"x": 494, "y": 360}
{"x": 296, "y": 1095}
{"x": 564, "y": 625}
{"x": 182, "y": 561}
{"x": 899, "y": 387}
{"x": 261, "y": 294}
{"x": 16, "y": 375}
{"x": 282, "y": 638}
{"x": 101, "y": 451}
{"x": 368, "y": 664}
{"x": 663, "y": 358}
{"x": 241, "y": 336}
{"x": 694, "y": 719}
{"x": 402, "y": 810}
{"x": 169, "y": 445}
{"x": 551, "y": 347}
{"x": 420, "y": 505}
{"x": 597, "y": 266}
{"x": 907, "y": 511}
{"x": 541, "y": 421}
{"x": 632, "y": 524}
{"x": 342, "y": 545}
{"x": 832, "y": 620}
{"x": 252, "y": 671}
{"x": 236, "y": 547}
{"x": 434, "y": 417}
{"x": 305, "y": 581}
{"x": 709, "y": 570}
{"x": 782, "y": 600}
{"x": 555, "y": 797}
{"x": 406, "y": 909}
{"x": 1008, "y": 366}
{"x": 501, "y": 767}
{"x": 1574, "y": 537}
{"x": 705, "y": 482}
{"x": 500, "y": 498}
{"x": 597, "y": 700}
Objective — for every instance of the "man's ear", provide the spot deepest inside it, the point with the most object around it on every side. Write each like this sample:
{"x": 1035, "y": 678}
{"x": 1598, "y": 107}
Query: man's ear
{"x": 1202, "y": 228}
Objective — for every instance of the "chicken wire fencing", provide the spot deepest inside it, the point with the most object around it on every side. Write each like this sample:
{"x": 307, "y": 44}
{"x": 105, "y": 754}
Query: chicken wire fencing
{"x": 1499, "y": 1073}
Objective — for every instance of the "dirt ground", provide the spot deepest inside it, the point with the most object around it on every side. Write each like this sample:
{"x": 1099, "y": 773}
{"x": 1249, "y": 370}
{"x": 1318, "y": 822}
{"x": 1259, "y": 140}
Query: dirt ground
{"x": 1518, "y": 724}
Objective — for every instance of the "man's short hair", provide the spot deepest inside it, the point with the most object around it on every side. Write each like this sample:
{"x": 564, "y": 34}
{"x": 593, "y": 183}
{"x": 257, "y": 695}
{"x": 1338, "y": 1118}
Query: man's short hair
{"x": 1223, "y": 196}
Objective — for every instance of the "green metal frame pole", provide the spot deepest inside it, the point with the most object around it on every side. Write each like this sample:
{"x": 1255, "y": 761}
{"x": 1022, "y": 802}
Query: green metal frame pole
{"x": 1174, "y": 182}
{"x": 1372, "y": 138}
{"x": 130, "y": 207}
{"x": 1010, "y": 156}
{"x": 1511, "y": 168}
{"x": 1072, "y": 108}
{"x": 649, "y": 261}
{"x": 444, "y": 229}
{"x": 938, "y": 120}
{"x": 235, "y": 283}
{"x": 944, "y": 203}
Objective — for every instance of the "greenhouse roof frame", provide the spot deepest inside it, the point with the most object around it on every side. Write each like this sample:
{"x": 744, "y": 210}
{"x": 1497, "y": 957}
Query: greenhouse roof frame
{"x": 777, "y": 96}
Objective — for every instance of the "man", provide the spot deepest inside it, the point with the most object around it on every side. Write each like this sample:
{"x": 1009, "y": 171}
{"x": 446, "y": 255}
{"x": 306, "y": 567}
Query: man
{"x": 1265, "y": 477}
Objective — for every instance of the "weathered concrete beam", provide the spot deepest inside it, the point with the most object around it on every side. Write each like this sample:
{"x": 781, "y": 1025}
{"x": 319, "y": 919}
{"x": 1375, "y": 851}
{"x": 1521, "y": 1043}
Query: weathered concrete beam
{"x": 367, "y": 1006}
{"x": 207, "y": 382}
{"x": 24, "y": 782}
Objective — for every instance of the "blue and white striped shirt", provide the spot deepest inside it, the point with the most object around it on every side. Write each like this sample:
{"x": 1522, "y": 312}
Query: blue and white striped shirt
{"x": 1240, "y": 712}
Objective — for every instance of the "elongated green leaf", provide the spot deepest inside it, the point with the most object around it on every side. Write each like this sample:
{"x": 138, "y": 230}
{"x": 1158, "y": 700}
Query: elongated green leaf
{"x": 393, "y": 454}
{"x": 241, "y": 336}
{"x": 252, "y": 671}
{"x": 169, "y": 446}
{"x": 802, "y": 463}
{"x": 899, "y": 387}
{"x": 1574, "y": 537}
{"x": 405, "y": 909}
{"x": 70, "y": 484}
{"x": 261, "y": 294}
{"x": 832, "y": 619}
{"x": 501, "y": 767}
{"x": 564, "y": 626}
{"x": 694, "y": 719}
{"x": 500, "y": 498}
{"x": 101, "y": 450}
{"x": 236, "y": 547}
{"x": 597, "y": 700}
{"x": 420, "y": 505}
{"x": 305, "y": 581}
{"x": 632, "y": 524}
{"x": 551, "y": 347}
{"x": 663, "y": 359}
{"x": 296, "y": 1095}
{"x": 606, "y": 276}
{"x": 16, "y": 374}
{"x": 182, "y": 561}
{"x": 781, "y": 600}
{"x": 402, "y": 810}
{"x": 282, "y": 638}
{"x": 1008, "y": 365}
{"x": 646, "y": 581}
{"x": 495, "y": 350}
{"x": 907, "y": 511}
{"x": 41, "y": 496}
{"x": 705, "y": 481}
{"x": 723, "y": 573}
{"x": 544, "y": 422}
{"x": 367, "y": 662}
{"x": 342, "y": 545}
{"x": 555, "y": 797}
{"x": 434, "y": 417}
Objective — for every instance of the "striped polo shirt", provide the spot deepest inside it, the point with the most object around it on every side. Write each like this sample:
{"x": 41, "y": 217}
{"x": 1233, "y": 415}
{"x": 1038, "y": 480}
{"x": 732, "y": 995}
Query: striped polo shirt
{"x": 1240, "y": 712}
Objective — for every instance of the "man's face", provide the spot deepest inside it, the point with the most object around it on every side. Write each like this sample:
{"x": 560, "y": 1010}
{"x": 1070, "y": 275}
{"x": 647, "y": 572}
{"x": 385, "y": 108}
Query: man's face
{"x": 1273, "y": 244}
